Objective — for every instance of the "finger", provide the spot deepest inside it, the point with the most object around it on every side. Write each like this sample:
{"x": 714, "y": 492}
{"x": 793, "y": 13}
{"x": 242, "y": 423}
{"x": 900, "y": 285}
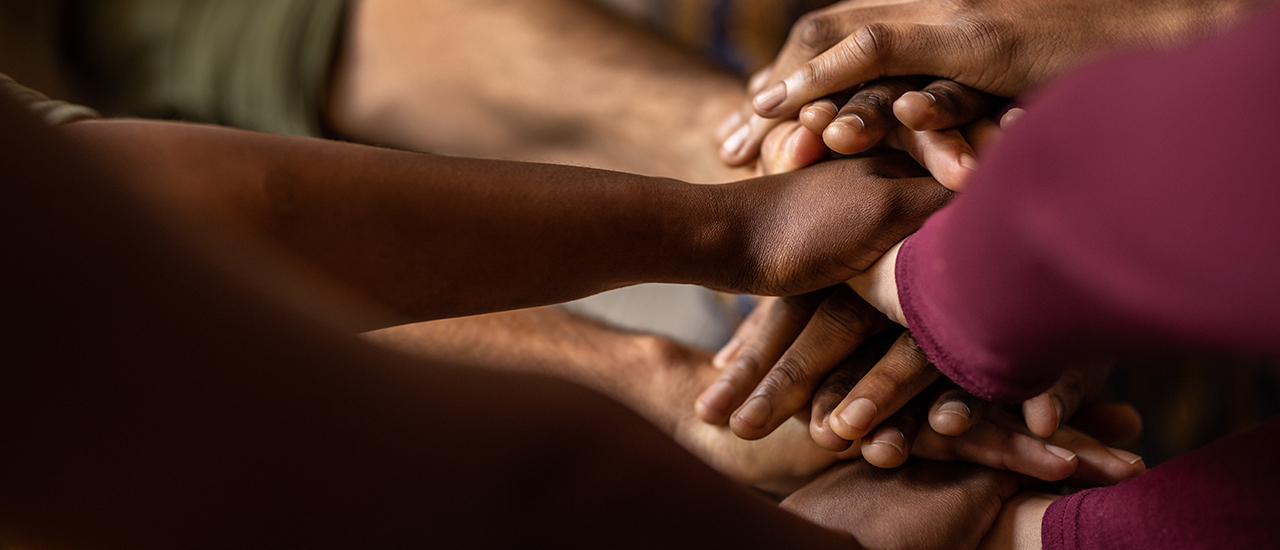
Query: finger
{"x": 982, "y": 135}
{"x": 756, "y": 346}
{"x": 868, "y": 116}
{"x": 1001, "y": 438}
{"x": 941, "y": 105}
{"x": 1001, "y": 448}
{"x": 817, "y": 115}
{"x": 729, "y": 126}
{"x": 759, "y": 80}
{"x": 890, "y": 444}
{"x": 1099, "y": 464}
{"x": 1011, "y": 117}
{"x": 1046, "y": 412}
{"x": 790, "y": 147}
{"x": 955, "y": 411}
{"x": 837, "y": 328}
{"x": 1112, "y": 423}
{"x": 944, "y": 153}
{"x": 870, "y": 52}
{"x": 891, "y": 383}
{"x": 743, "y": 144}
{"x": 837, "y": 385}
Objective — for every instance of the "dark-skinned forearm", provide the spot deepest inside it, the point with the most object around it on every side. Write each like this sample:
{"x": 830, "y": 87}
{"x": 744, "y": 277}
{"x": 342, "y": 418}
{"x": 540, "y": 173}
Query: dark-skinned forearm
{"x": 434, "y": 236}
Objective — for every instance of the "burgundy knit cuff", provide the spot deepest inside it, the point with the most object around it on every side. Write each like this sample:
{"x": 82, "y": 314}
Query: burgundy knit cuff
{"x": 1060, "y": 528}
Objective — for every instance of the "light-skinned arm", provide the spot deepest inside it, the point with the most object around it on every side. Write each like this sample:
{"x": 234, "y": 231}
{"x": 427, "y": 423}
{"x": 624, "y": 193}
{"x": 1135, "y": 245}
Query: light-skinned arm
{"x": 559, "y": 81}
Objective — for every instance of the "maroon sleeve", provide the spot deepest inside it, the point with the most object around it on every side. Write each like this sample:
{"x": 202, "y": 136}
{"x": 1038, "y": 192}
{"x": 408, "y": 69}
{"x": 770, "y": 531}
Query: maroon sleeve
{"x": 1221, "y": 496}
{"x": 1136, "y": 203}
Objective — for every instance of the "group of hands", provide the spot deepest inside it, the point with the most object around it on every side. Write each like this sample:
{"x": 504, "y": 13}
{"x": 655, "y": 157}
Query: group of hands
{"x": 830, "y": 376}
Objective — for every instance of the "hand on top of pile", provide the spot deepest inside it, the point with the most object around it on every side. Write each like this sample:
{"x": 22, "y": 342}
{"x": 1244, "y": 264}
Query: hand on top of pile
{"x": 836, "y": 60}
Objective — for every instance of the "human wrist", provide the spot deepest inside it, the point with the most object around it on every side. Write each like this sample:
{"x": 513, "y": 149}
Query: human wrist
{"x": 1018, "y": 525}
{"x": 878, "y": 285}
{"x": 705, "y": 232}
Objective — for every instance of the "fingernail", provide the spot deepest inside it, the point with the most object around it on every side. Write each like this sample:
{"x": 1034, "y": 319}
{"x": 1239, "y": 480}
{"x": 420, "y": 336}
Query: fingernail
{"x": 1064, "y": 454}
{"x": 932, "y": 99}
{"x": 717, "y": 397}
{"x": 842, "y": 135}
{"x": 859, "y": 415}
{"x": 769, "y": 99}
{"x": 968, "y": 161}
{"x": 1124, "y": 455}
{"x": 956, "y": 408}
{"x": 726, "y": 353}
{"x": 732, "y": 121}
{"x": 1010, "y": 117}
{"x": 735, "y": 142}
{"x": 855, "y": 123}
{"x": 756, "y": 412}
{"x": 892, "y": 437}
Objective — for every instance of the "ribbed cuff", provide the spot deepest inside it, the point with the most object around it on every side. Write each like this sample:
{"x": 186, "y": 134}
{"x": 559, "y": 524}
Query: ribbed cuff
{"x": 1060, "y": 528}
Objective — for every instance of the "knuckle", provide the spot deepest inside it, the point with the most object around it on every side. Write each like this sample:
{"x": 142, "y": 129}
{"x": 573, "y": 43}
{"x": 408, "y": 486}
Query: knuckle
{"x": 817, "y": 74}
{"x": 874, "y": 41}
{"x": 879, "y": 385}
{"x": 815, "y": 32}
{"x": 910, "y": 349}
{"x": 748, "y": 366}
{"x": 844, "y": 317}
{"x": 988, "y": 42}
{"x": 896, "y": 381}
{"x": 794, "y": 309}
{"x": 839, "y": 381}
{"x": 951, "y": 94}
{"x": 787, "y": 376}
{"x": 872, "y": 99}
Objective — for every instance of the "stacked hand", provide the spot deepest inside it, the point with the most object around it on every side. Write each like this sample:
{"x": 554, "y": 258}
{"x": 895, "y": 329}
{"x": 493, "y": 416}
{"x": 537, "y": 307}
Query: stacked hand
{"x": 923, "y": 505}
{"x": 831, "y": 357}
{"x": 831, "y": 73}
{"x": 788, "y": 456}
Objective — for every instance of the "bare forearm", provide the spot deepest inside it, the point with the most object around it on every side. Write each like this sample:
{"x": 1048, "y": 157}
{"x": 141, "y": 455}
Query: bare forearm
{"x": 434, "y": 236}
{"x": 161, "y": 381}
{"x": 549, "y": 80}
{"x": 640, "y": 371}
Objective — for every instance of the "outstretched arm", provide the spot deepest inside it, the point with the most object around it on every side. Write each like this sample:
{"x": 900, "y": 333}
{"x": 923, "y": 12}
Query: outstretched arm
{"x": 162, "y": 394}
{"x": 433, "y": 236}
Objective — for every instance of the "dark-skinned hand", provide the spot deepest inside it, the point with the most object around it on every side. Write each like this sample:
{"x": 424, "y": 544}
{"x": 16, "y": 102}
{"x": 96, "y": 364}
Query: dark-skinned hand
{"x": 922, "y": 506}
{"x": 830, "y": 357}
{"x": 999, "y": 47}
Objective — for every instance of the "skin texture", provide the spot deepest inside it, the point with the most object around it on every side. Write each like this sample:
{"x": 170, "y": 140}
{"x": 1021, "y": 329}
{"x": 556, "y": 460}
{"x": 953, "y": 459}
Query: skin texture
{"x": 277, "y": 425}
{"x": 882, "y": 366}
{"x": 654, "y": 377}
{"x": 1001, "y": 47}
{"x": 659, "y": 380}
{"x": 919, "y": 506}
{"x": 462, "y": 238}
{"x": 171, "y": 371}
{"x": 1018, "y": 525}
